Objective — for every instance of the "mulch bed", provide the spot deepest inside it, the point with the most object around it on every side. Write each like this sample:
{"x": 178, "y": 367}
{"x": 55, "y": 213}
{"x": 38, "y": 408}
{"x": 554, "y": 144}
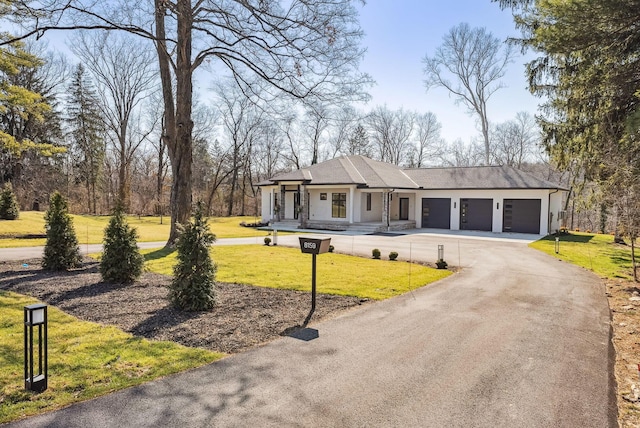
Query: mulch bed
{"x": 244, "y": 317}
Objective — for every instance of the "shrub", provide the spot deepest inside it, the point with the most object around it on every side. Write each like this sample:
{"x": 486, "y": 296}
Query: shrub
{"x": 441, "y": 264}
{"x": 61, "y": 251}
{"x": 121, "y": 260}
{"x": 8, "y": 203}
{"x": 267, "y": 240}
{"x": 193, "y": 284}
{"x": 331, "y": 248}
{"x": 393, "y": 255}
{"x": 375, "y": 253}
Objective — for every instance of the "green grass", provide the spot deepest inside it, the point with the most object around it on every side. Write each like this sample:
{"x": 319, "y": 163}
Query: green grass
{"x": 592, "y": 251}
{"x": 287, "y": 268}
{"x": 90, "y": 229}
{"x": 85, "y": 360}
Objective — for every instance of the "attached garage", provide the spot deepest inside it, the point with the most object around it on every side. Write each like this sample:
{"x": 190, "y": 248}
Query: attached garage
{"x": 521, "y": 216}
{"x": 436, "y": 213}
{"x": 476, "y": 214}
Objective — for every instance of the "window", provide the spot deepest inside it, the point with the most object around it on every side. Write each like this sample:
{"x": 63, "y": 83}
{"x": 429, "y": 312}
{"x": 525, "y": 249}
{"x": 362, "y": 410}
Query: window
{"x": 339, "y": 205}
{"x": 368, "y": 201}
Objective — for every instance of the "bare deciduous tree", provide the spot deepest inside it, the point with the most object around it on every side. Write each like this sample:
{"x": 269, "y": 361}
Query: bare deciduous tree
{"x": 123, "y": 69}
{"x": 516, "y": 141}
{"x": 305, "y": 49}
{"x": 469, "y": 64}
{"x": 461, "y": 154}
{"x": 429, "y": 145}
{"x": 390, "y": 131}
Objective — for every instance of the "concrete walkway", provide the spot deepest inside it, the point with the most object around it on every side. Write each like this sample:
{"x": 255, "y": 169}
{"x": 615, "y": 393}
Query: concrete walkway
{"x": 516, "y": 339}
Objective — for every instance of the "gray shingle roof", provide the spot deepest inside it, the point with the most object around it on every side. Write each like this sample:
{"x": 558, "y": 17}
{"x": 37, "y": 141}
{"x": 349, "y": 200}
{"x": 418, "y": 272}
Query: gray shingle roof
{"x": 355, "y": 169}
{"x": 481, "y": 177}
{"x": 365, "y": 172}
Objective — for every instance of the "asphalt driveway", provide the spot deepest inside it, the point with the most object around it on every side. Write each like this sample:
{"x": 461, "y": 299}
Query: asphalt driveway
{"x": 516, "y": 339}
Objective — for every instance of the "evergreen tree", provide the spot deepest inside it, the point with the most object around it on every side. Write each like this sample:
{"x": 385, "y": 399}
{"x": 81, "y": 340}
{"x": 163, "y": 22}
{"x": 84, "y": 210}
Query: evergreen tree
{"x": 61, "y": 251}
{"x": 193, "y": 285}
{"x": 86, "y": 133}
{"x": 8, "y": 203}
{"x": 121, "y": 260}
{"x": 21, "y": 108}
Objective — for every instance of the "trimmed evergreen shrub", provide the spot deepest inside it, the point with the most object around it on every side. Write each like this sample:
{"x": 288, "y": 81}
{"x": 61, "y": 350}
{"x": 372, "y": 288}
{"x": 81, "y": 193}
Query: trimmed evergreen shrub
{"x": 121, "y": 259}
{"x": 193, "y": 284}
{"x": 8, "y": 203}
{"x": 61, "y": 251}
{"x": 393, "y": 255}
{"x": 375, "y": 253}
{"x": 267, "y": 240}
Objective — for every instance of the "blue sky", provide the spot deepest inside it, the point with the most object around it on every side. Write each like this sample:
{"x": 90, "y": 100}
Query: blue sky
{"x": 398, "y": 35}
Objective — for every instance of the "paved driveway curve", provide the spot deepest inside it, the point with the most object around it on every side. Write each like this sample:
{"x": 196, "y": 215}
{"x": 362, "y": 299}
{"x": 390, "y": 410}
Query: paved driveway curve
{"x": 516, "y": 339}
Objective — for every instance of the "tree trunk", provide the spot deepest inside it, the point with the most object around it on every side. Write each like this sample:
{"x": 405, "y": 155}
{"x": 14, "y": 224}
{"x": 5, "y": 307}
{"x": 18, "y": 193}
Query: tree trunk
{"x": 633, "y": 258}
{"x": 177, "y": 117}
{"x": 232, "y": 188}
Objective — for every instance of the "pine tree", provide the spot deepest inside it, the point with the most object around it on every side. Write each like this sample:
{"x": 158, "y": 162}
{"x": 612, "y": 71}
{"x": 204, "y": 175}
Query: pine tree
{"x": 61, "y": 251}
{"x": 8, "y": 203}
{"x": 193, "y": 284}
{"x": 86, "y": 133}
{"x": 121, "y": 260}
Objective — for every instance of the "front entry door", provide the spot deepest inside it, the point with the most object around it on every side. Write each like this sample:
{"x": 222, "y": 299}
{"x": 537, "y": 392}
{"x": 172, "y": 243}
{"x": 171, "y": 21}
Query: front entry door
{"x": 404, "y": 208}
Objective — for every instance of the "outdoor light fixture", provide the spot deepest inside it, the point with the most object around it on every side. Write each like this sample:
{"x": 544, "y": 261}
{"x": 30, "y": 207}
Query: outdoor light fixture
{"x": 35, "y": 316}
{"x": 557, "y": 244}
{"x": 440, "y": 252}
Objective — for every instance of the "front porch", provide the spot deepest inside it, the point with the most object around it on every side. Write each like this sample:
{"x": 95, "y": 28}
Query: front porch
{"x": 362, "y": 228}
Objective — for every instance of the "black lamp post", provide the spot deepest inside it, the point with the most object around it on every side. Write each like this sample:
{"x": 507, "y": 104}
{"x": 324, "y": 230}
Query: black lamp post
{"x": 35, "y": 316}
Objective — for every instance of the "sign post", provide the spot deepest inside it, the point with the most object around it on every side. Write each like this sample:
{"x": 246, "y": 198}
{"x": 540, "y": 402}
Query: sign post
{"x": 313, "y": 246}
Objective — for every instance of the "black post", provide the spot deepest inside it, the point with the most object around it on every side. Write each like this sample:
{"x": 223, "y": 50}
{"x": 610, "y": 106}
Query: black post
{"x": 313, "y": 290}
{"x": 313, "y": 283}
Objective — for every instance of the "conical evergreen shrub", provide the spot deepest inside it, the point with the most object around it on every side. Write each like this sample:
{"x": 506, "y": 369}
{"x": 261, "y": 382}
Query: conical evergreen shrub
{"x": 121, "y": 259}
{"x": 193, "y": 284}
{"x": 61, "y": 251}
{"x": 8, "y": 203}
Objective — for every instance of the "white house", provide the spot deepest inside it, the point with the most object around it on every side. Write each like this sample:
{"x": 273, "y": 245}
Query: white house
{"x": 358, "y": 193}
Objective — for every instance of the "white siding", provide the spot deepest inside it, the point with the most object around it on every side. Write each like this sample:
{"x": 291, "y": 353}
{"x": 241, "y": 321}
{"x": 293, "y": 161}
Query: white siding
{"x": 320, "y": 210}
{"x": 267, "y": 203}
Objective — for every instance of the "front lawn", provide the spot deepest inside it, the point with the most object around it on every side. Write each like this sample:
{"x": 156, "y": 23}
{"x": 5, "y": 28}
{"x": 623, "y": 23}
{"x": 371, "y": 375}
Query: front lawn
{"x": 288, "y": 268}
{"x": 85, "y": 360}
{"x": 90, "y": 229}
{"x": 592, "y": 251}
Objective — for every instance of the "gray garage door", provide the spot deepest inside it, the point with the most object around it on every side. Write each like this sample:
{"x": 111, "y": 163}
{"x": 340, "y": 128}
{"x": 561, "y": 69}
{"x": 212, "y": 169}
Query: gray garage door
{"x": 476, "y": 214}
{"x": 521, "y": 215}
{"x": 436, "y": 213}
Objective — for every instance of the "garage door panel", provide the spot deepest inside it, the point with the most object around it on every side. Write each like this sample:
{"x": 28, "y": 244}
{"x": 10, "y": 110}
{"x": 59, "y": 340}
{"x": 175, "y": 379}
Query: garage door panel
{"x": 521, "y": 215}
{"x": 436, "y": 213}
{"x": 476, "y": 214}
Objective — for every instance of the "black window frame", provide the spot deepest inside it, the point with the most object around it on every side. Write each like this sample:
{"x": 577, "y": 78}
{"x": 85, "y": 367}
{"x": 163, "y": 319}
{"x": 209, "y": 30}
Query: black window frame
{"x": 338, "y": 205}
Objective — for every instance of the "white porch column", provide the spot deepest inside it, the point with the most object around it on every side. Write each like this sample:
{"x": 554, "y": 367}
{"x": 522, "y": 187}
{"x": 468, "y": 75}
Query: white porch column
{"x": 386, "y": 211}
{"x": 351, "y": 204}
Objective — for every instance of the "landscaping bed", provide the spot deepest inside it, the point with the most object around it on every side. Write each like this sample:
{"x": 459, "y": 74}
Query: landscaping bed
{"x": 624, "y": 301}
{"x": 244, "y": 317}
